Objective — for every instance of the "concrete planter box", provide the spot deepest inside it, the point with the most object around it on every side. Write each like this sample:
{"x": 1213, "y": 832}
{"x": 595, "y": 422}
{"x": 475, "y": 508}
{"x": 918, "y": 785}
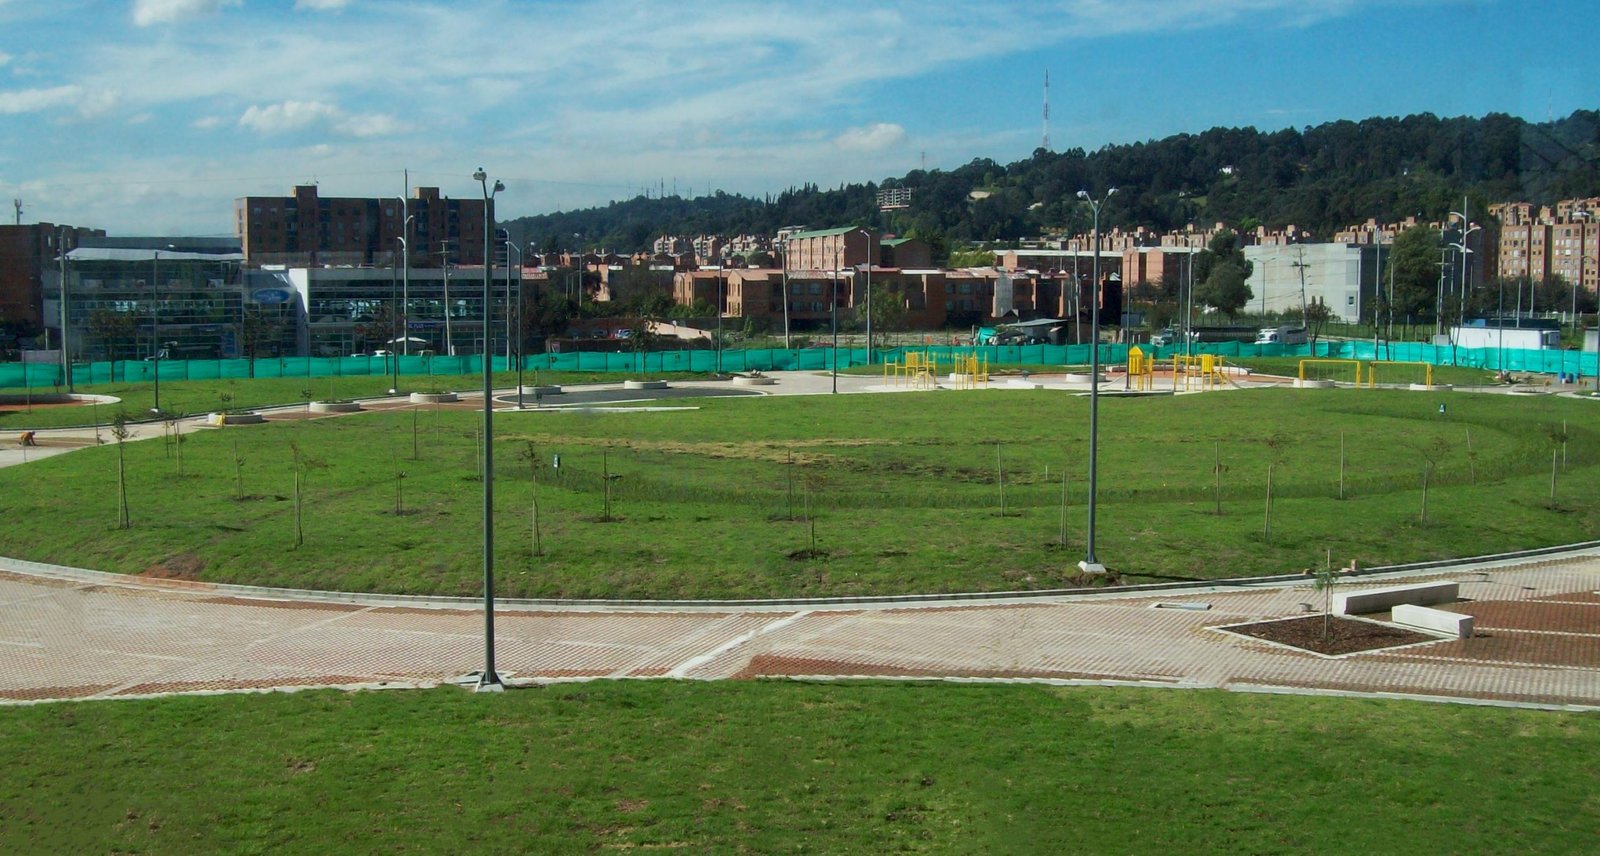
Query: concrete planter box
{"x": 248, "y": 417}
{"x": 548, "y": 389}
{"x": 1081, "y": 378}
{"x": 1313, "y": 384}
{"x": 334, "y": 407}
{"x": 644, "y": 384}
{"x": 754, "y": 381}
{"x": 433, "y": 397}
{"x": 1438, "y": 387}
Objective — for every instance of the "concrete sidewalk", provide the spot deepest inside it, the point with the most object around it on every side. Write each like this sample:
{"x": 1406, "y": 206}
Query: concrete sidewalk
{"x": 1538, "y": 641}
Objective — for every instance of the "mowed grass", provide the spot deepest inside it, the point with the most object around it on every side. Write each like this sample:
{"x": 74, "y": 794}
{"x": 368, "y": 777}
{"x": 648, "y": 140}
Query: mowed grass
{"x": 772, "y": 767}
{"x": 188, "y": 397}
{"x": 827, "y": 495}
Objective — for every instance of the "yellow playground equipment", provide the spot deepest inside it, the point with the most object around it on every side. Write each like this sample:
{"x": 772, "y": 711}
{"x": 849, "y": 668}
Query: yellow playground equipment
{"x": 1337, "y": 371}
{"x": 1141, "y": 369}
{"x": 919, "y": 371}
{"x": 969, "y": 372}
{"x": 1198, "y": 372}
{"x": 1401, "y": 372}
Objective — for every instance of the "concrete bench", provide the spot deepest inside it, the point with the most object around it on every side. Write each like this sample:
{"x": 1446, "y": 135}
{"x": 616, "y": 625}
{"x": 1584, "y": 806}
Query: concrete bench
{"x": 1377, "y": 600}
{"x": 1437, "y": 620}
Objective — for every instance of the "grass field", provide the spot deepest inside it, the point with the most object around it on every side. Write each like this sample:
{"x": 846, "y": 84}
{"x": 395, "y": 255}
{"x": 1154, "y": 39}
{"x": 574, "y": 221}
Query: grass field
{"x": 825, "y": 495}
{"x": 790, "y": 767}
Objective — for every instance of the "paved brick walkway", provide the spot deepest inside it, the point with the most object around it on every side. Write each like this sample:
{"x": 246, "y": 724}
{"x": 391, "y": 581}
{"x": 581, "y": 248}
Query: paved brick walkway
{"x": 92, "y": 636}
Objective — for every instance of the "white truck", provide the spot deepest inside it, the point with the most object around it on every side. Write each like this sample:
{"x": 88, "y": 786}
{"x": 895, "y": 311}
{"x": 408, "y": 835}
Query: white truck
{"x": 1281, "y": 335}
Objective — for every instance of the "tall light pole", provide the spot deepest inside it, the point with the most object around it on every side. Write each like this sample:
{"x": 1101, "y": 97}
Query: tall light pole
{"x": 520, "y": 264}
{"x": 1466, "y": 229}
{"x": 66, "y": 353}
{"x": 1091, "y": 564}
{"x": 833, "y": 317}
{"x": 444, "y": 261}
{"x": 1583, "y": 251}
{"x": 1188, "y": 312}
{"x": 155, "y": 326}
{"x": 865, "y": 233}
{"x": 489, "y": 679}
{"x": 720, "y": 287}
{"x": 405, "y": 277}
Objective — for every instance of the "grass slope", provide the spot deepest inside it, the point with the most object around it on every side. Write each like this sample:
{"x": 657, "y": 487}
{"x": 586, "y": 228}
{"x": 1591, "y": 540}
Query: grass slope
{"x": 774, "y": 767}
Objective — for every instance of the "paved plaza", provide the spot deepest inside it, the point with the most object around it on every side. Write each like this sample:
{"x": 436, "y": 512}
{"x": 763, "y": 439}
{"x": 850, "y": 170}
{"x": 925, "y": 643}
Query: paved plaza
{"x": 70, "y": 635}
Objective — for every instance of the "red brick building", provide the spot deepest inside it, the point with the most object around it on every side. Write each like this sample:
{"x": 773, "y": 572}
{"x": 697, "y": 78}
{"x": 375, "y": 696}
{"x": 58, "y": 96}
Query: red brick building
{"x": 306, "y": 229}
{"x": 25, "y": 253}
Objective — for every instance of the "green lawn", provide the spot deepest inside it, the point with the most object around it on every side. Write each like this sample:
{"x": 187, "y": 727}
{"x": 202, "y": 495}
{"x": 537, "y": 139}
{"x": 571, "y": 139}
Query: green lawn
{"x": 770, "y": 767}
{"x": 903, "y": 491}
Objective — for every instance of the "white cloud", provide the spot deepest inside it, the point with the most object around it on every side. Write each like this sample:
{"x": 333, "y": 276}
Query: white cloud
{"x": 147, "y": 12}
{"x": 34, "y": 100}
{"x": 286, "y": 116}
{"x": 871, "y": 138}
{"x": 5, "y": 58}
{"x": 297, "y": 115}
{"x": 368, "y": 125}
{"x": 206, "y": 123}
{"x": 322, "y": 5}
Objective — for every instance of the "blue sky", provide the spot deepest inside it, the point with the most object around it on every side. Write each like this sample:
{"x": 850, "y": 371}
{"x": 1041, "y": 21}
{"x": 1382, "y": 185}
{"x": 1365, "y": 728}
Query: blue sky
{"x": 150, "y": 116}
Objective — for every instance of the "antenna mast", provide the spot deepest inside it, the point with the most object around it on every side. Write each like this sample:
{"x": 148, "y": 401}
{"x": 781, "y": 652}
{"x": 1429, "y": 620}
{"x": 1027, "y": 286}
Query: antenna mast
{"x": 1046, "y": 144}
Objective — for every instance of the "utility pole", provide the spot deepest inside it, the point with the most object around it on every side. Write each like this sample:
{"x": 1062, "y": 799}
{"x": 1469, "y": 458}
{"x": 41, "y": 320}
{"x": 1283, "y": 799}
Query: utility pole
{"x": 444, "y": 259}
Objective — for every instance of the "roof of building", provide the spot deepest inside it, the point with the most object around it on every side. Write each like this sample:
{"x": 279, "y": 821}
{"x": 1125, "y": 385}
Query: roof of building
{"x": 826, "y": 233}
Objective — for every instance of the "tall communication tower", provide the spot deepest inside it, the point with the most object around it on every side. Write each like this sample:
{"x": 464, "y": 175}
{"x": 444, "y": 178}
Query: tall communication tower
{"x": 1046, "y": 144}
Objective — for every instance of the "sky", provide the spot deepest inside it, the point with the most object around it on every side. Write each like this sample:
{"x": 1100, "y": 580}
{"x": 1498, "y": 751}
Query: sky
{"x": 151, "y": 116}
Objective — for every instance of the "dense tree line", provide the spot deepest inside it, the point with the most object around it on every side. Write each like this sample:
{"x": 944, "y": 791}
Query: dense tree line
{"x": 1320, "y": 178}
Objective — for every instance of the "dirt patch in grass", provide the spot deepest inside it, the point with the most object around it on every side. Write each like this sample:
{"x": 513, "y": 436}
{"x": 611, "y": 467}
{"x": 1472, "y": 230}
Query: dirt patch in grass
{"x": 1344, "y": 636}
{"x": 180, "y": 566}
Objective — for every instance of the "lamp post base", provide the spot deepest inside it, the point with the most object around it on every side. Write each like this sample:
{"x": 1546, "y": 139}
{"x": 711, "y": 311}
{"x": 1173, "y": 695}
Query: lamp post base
{"x": 489, "y": 683}
{"x": 1089, "y": 567}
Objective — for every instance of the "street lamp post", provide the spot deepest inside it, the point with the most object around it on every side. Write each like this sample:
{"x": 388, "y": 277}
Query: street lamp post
{"x": 870, "y": 254}
{"x": 833, "y": 318}
{"x": 488, "y": 679}
{"x": 510, "y": 245}
{"x": 720, "y": 287}
{"x": 405, "y": 277}
{"x": 155, "y": 326}
{"x": 1091, "y": 564}
{"x": 1583, "y": 251}
{"x": 65, "y": 313}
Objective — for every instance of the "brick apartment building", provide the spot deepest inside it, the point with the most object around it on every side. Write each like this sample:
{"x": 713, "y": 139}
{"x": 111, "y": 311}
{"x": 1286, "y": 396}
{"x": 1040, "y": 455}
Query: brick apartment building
{"x": 1560, "y": 240}
{"x": 307, "y": 229}
{"x": 26, "y": 252}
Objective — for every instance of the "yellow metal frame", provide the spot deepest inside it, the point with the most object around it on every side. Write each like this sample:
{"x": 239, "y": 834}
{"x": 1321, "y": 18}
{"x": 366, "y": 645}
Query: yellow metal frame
{"x": 1356, "y": 364}
{"x": 1372, "y": 370}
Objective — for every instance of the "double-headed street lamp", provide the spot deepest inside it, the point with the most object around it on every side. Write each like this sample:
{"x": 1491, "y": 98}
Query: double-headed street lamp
{"x": 866, "y": 233}
{"x": 512, "y": 246}
{"x": 489, "y": 679}
{"x": 1583, "y": 252}
{"x": 1091, "y": 564}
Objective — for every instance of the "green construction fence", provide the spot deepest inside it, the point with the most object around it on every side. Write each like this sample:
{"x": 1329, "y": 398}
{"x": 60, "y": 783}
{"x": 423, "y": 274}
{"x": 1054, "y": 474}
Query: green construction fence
{"x": 50, "y": 376}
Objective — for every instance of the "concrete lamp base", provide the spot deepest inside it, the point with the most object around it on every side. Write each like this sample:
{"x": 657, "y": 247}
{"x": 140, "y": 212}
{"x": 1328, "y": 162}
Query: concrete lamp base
{"x": 1089, "y": 567}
